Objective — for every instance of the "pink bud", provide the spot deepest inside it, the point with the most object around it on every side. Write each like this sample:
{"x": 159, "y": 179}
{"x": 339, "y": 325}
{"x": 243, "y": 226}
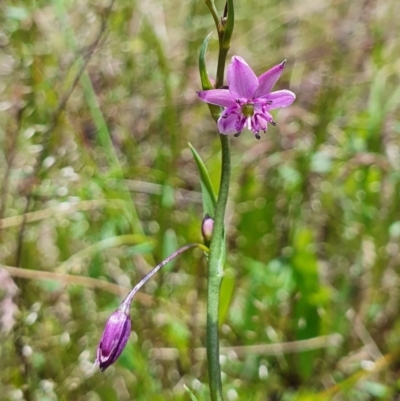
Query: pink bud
{"x": 207, "y": 227}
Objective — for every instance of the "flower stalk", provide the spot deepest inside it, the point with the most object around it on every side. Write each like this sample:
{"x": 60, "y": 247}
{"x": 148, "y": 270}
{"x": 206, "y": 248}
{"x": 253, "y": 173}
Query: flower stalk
{"x": 128, "y": 299}
{"x": 217, "y": 254}
{"x": 118, "y": 326}
{"x": 225, "y": 30}
{"x": 216, "y": 263}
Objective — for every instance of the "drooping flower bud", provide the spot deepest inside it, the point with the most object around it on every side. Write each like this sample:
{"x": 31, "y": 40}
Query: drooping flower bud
{"x": 113, "y": 341}
{"x": 207, "y": 226}
{"x": 118, "y": 326}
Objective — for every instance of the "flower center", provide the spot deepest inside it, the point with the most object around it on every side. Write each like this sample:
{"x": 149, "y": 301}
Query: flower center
{"x": 248, "y": 110}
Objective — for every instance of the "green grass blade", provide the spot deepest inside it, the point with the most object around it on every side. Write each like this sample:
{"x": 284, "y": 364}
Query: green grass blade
{"x": 209, "y": 198}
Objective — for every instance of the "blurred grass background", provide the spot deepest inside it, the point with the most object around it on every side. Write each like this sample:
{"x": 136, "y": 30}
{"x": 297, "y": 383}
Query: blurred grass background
{"x": 98, "y": 184}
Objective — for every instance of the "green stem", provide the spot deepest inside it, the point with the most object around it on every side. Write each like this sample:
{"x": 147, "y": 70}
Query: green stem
{"x": 216, "y": 263}
{"x": 217, "y": 254}
{"x": 221, "y": 65}
{"x": 211, "y": 6}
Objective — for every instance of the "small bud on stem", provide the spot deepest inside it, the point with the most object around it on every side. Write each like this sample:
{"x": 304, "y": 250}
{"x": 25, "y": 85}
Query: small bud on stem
{"x": 207, "y": 227}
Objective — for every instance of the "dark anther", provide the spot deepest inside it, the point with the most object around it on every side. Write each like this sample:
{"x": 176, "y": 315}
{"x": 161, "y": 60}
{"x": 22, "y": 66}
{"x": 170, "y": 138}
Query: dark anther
{"x": 274, "y": 123}
{"x": 257, "y": 135}
{"x": 269, "y": 102}
{"x": 237, "y": 134}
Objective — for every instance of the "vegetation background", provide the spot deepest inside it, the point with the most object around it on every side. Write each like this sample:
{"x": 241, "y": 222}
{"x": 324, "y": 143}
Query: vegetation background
{"x": 98, "y": 184}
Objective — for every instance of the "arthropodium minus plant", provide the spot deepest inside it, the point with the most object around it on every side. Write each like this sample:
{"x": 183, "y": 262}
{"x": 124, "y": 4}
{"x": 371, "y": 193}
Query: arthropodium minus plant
{"x": 247, "y": 103}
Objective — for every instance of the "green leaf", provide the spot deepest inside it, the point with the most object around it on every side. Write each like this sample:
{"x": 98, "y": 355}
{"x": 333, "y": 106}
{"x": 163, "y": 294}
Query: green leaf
{"x": 192, "y": 396}
{"x": 169, "y": 245}
{"x": 209, "y": 198}
{"x": 17, "y": 13}
{"x": 307, "y": 321}
{"x": 226, "y": 42}
{"x": 226, "y": 294}
{"x": 205, "y": 80}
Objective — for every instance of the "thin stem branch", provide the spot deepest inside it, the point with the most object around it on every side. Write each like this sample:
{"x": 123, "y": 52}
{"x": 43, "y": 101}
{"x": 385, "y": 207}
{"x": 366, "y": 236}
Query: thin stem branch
{"x": 221, "y": 66}
{"x": 211, "y": 6}
{"x": 275, "y": 349}
{"x": 66, "y": 279}
{"x": 126, "y": 303}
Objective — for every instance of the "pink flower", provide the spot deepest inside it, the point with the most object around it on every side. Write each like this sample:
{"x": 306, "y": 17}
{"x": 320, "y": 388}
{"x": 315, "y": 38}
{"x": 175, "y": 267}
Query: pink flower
{"x": 249, "y": 99}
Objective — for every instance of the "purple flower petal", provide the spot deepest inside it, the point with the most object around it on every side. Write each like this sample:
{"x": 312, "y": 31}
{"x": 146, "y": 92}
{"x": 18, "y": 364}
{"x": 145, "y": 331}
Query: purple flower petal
{"x": 281, "y": 98}
{"x": 229, "y": 121}
{"x": 267, "y": 80}
{"x": 113, "y": 341}
{"x": 220, "y": 97}
{"x": 259, "y": 122}
{"x": 241, "y": 79}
